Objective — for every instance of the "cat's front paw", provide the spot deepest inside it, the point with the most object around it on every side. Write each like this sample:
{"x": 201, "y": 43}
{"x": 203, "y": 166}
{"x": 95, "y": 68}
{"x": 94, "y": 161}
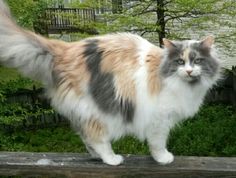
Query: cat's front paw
{"x": 113, "y": 160}
{"x": 164, "y": 157}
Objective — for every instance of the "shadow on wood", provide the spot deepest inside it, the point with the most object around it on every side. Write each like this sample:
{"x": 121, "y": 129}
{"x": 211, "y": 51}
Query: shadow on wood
{"x": 82, "y": 166}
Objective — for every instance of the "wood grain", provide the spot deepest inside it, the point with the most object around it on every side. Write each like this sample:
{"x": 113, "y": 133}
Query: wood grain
{"x": 74, "y": 165}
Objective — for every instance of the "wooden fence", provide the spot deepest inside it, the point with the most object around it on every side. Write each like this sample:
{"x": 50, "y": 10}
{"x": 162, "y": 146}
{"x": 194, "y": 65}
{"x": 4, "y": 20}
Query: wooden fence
{"x": 72, "y": 165}
{"x": 69, "y": 20}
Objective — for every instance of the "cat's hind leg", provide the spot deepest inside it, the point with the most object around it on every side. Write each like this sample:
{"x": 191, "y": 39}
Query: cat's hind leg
{"x": 94, "y": 134}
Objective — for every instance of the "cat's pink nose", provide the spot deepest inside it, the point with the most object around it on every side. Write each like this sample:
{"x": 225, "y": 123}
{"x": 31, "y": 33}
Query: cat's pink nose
{"x": 189, "y": 71}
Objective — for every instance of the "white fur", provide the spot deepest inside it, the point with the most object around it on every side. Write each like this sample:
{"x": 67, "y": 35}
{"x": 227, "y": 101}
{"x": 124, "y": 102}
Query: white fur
{"x": 182, "y": 71}
{"x": 21, "y": 51}
{"x": 154, "y": 115}
{"x": 153, "y": 118}
{"x": 174, "y": 104}
{"x": 143, "y": 48}
{"x": 18, "y": 47}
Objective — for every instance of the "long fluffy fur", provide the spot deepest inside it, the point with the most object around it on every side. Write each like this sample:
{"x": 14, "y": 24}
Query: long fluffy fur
{"x": 24, "y": 50}
{"x": 112, "y": 85}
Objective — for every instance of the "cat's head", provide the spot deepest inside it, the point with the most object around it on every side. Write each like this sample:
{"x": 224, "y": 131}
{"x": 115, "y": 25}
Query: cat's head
{"x": 191, "y": 61}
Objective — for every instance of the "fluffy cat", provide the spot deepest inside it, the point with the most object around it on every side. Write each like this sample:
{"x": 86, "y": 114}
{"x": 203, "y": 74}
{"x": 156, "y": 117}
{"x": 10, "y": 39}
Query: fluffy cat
{"x": 113, "y": 85}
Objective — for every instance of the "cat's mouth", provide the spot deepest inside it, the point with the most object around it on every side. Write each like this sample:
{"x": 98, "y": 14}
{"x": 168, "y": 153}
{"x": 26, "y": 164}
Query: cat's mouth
{"x": 192, "y": 79}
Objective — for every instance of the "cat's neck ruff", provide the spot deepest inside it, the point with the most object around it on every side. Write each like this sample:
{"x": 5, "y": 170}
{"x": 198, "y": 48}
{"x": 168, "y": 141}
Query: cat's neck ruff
{"x": 181, "y": 97}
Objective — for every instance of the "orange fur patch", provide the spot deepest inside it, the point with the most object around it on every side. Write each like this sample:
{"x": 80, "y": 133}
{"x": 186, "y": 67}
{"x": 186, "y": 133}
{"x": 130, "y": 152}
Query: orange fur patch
{"x": 93, "y": 130}
{"x": 72, "y": 70}
{"x": 185, "y": 55}
{"x": 153, "y": 61}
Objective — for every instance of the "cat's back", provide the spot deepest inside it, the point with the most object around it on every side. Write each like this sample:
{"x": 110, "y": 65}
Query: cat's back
{"x": 110, "y": 71}
{"x": 120, "y": 55}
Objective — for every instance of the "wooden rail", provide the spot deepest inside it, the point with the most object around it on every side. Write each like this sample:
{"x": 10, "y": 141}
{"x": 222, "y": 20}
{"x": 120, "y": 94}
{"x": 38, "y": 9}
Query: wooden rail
{"x": 82, "y": 166}
{"x": 58, "y": 20}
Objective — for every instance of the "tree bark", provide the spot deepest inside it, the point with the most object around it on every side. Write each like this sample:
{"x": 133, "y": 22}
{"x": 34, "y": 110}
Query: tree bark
{"x": 160, "y": 12}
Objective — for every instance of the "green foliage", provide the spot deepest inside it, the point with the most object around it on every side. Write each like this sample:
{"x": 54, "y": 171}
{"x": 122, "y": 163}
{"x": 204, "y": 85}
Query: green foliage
{"x": 43, "y": 140}
{"x": 11, "y": 81}
{"x": 14, "y": 114}
{"x": 12, "y": 86}
{"x": 130, "y": 145}
{"x": 91, "y": 4}
{"x": 210, "y": 133}
{"x": 28, "y": 12}
{"x": 17, "y": 115}
{"x": 7, "y": 74}
{"x": 142, "y": 16}
{"x": 23, "y": 12}
{"x": 2, "y": 97}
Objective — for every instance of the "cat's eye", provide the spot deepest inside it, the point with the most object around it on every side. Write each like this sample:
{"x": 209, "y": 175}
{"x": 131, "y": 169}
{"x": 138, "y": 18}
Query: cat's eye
{"x": 198, "y": 60}
{"x": 180, "y": 61}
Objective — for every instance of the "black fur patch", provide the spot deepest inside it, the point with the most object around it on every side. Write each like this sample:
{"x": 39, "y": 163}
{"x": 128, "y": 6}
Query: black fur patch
{"x": 102, "y": 84}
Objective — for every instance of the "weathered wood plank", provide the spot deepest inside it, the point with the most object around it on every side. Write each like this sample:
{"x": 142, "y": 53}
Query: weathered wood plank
{"x": 82, "y": 166}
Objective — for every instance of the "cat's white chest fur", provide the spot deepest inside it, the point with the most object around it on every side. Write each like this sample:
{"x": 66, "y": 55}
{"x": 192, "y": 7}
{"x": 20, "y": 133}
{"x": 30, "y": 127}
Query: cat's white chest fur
{"x": 176, "y": 101}
{"x": 180, "y": 99}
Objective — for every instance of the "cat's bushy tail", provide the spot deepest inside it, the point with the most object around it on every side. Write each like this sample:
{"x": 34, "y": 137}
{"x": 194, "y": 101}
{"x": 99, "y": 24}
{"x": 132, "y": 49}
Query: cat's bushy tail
{"x": 32, "y": 54}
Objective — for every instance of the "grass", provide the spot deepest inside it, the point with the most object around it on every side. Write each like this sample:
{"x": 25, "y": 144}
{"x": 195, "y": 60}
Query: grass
{"x": 212, "y": 132}
{"x": 7, "y": 75}
{"x": 60, "y": 139}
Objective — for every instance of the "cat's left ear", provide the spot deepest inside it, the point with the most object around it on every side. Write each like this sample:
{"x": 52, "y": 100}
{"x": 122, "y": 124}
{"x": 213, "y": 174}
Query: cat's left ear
{"x": 208, "y": 41}
{"x": 168, "y": 44}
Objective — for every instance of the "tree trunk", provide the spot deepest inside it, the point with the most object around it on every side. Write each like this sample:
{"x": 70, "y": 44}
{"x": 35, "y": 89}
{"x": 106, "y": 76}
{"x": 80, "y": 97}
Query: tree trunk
{"x": 160, "y": 12}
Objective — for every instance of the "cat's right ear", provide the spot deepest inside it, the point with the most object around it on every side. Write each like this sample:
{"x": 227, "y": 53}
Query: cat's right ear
{"x": 208, "y": 41}
{"x": 168, "y": 44}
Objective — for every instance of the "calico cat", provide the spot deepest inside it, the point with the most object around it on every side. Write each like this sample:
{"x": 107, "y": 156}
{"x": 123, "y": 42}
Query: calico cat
{"x": 117, "y": 84}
